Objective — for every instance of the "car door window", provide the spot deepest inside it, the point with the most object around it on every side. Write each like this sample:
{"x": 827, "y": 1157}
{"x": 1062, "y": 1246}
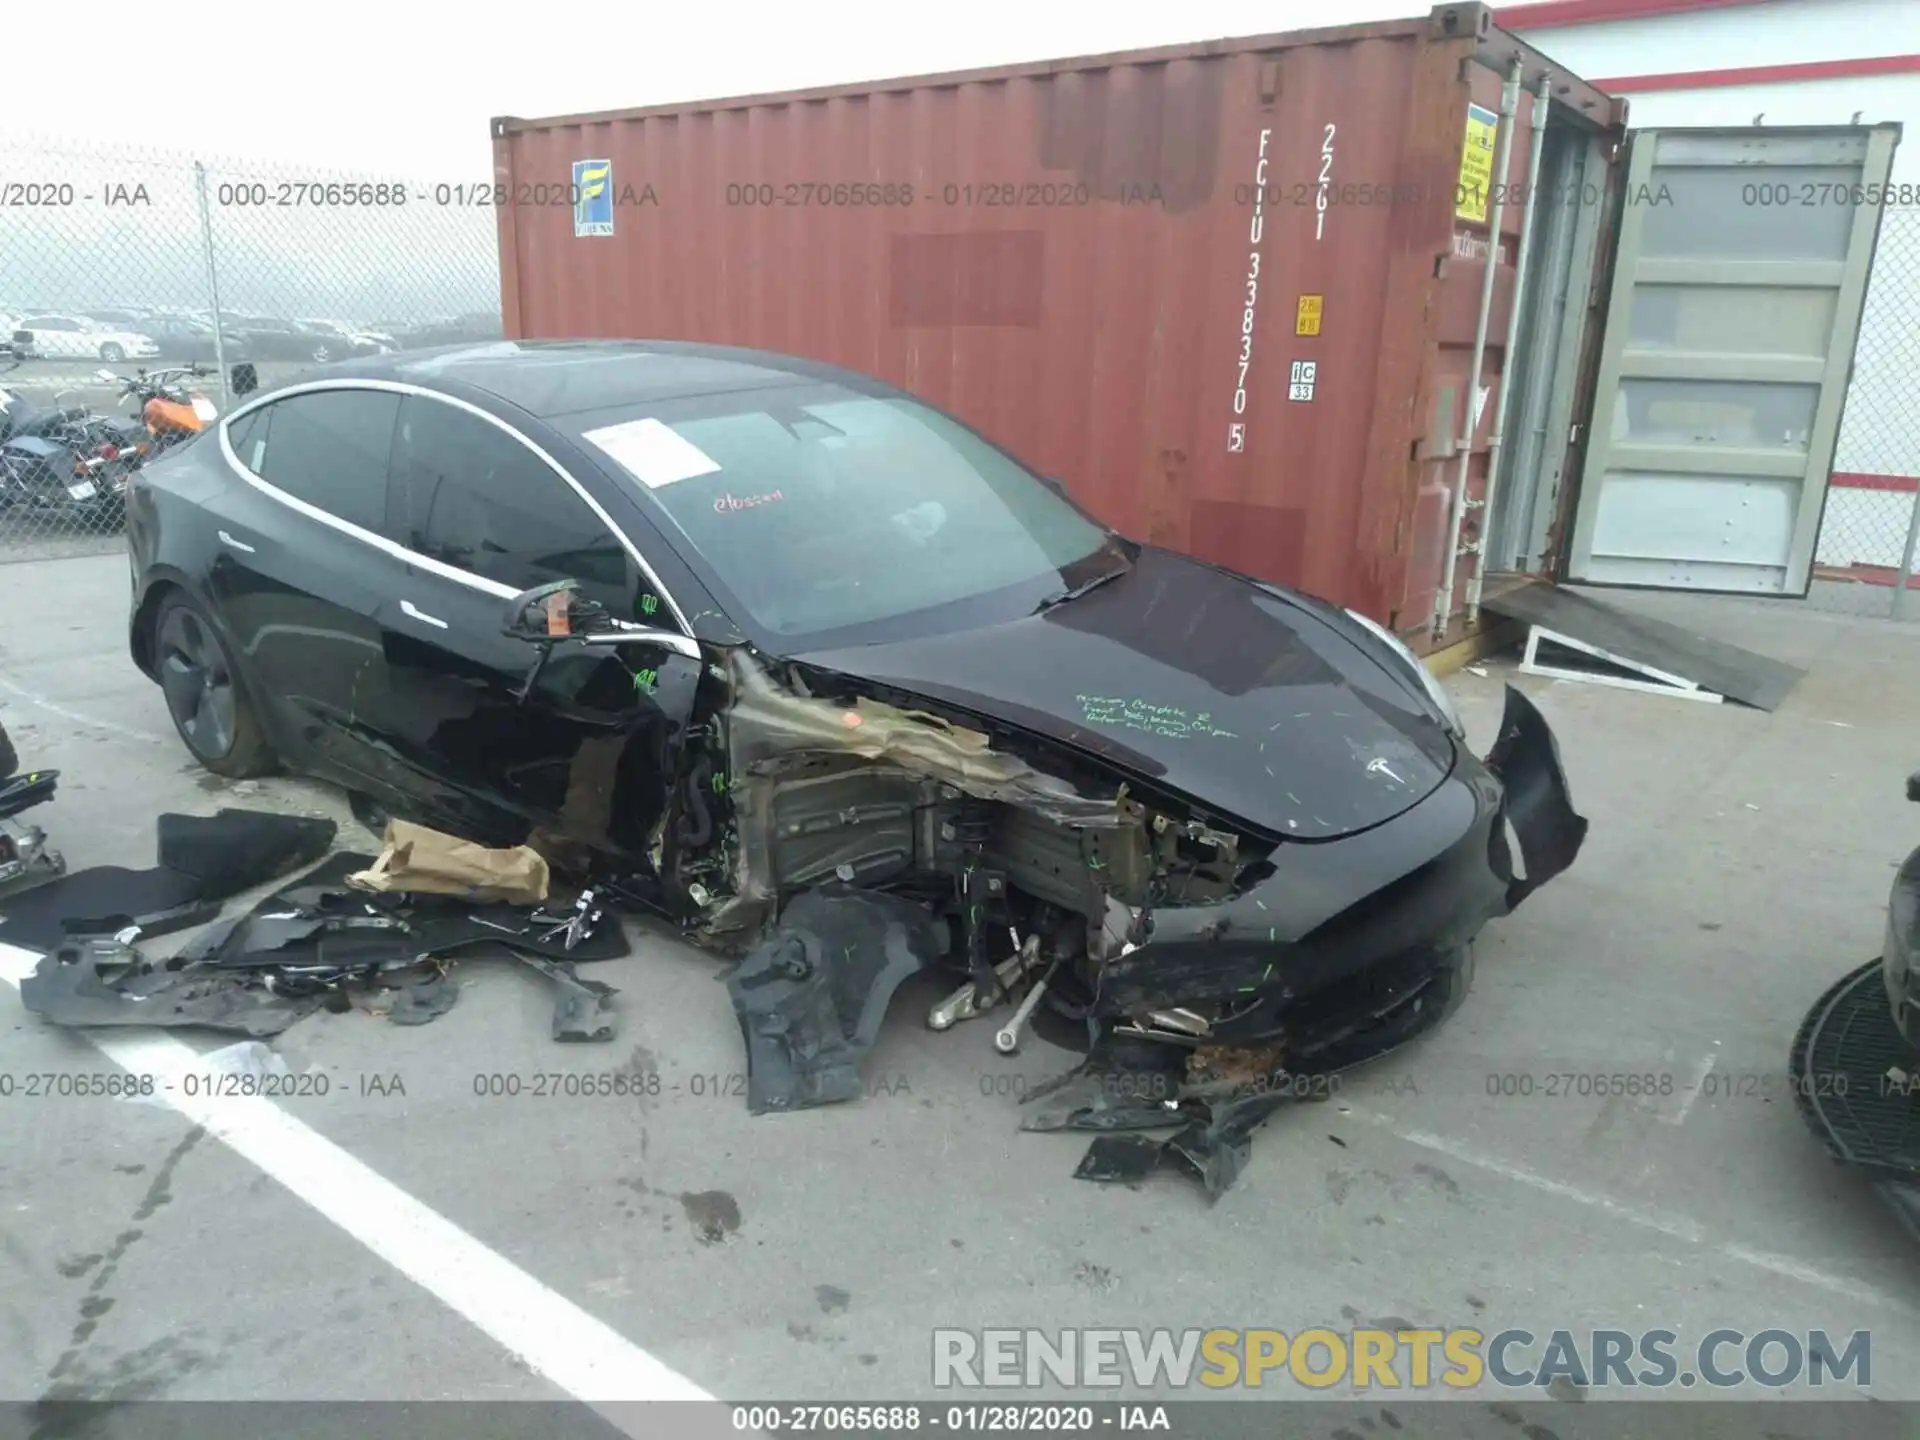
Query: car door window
{"x": 242, "y": 433}
{"x": 329, "y": 448}
{"x": 470, "y": 495}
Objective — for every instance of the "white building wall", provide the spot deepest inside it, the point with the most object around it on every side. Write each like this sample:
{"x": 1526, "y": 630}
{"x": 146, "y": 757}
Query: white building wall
{"x": 1734, "y": 37}
{"x": 1880, "y": 435}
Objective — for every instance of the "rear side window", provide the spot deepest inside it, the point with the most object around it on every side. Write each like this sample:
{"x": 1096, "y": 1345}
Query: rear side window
{"x": 243, "y": 433}
{"x": 328, "y": 448}
{"x": 470, "y": 495}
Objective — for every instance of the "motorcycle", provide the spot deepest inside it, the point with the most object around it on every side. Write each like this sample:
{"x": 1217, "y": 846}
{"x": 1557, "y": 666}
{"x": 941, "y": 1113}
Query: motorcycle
{"x": 65, "y": 459}
{"x": 169, "y": 412}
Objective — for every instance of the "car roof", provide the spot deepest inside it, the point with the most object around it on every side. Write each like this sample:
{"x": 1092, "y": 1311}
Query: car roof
{"x": 549, "y": 378}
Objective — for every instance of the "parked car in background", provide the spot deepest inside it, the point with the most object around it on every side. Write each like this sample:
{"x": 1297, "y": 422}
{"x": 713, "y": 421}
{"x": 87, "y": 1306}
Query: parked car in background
{"x": 269, "y": 337}
{"x": 188, "y": 338}
{"x": 341, "y": 340}
{"x": 55, "y": 337}
{"x": 458, "y": 330}
{"x": 120, "y": 317}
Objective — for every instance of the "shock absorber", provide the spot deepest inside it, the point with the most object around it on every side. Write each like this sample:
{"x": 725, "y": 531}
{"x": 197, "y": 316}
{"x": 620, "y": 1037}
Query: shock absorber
{"x": 981, "y": 892}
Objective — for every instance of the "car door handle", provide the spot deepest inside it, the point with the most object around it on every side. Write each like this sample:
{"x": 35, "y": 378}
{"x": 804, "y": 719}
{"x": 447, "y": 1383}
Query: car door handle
{"x": 408, "y": 608}
{"x": 226, "y": 539}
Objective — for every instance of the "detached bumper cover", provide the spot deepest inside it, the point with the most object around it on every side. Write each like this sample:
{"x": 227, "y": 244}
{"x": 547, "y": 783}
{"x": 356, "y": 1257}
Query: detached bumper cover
{"x": 1526, "y": 757}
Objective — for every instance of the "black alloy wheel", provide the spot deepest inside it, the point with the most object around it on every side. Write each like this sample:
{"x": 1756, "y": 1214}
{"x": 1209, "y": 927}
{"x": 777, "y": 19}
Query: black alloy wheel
{"x": 205, "y": 696}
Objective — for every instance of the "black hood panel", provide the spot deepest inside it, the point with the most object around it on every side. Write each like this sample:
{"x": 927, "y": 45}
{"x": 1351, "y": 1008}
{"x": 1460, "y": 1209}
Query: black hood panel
{"x": 1244, "y": 702}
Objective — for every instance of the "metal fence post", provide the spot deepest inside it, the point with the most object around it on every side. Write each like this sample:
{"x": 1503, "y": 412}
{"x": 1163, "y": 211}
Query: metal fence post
{"x": 213, "y": 282}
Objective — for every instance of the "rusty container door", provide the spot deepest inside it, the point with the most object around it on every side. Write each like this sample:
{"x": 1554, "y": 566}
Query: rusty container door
{"x": 1222, "y": 291}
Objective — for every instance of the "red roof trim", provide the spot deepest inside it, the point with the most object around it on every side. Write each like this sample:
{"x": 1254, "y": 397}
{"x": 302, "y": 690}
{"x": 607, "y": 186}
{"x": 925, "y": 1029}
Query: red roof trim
{"x": 1763, "y": 75}
{"x": 1551, "y": 14}
{"x": 1852, "y": 480}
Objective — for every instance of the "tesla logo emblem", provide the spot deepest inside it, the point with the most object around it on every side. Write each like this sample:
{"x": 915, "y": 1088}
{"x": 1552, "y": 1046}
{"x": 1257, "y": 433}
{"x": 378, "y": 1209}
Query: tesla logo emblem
{"x": 1236, "y": 438}
{"x": 1381, "y": 767}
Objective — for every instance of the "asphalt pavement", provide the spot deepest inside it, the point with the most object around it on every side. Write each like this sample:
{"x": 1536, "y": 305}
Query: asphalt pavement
{"x": 413, "y": 1234}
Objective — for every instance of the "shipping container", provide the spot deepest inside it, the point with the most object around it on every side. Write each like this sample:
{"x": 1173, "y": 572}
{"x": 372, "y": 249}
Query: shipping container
{"x": 1228, "y": 292}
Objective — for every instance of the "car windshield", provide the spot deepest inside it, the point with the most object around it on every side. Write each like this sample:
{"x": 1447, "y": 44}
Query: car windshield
{"x": 822, "y": 509}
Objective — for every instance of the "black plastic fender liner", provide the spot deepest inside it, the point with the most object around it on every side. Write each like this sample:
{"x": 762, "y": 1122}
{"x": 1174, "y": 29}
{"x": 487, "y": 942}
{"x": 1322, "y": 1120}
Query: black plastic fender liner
{"x": 1539, "y": 803}
{"x": 102, "y": 900}
{"x": 811, "y": 998}
{"x": 234, "y": 850}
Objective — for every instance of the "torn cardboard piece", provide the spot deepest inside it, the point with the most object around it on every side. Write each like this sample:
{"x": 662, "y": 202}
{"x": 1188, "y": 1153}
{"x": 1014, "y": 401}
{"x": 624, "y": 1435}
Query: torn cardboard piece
{"x": 416, "y": 860}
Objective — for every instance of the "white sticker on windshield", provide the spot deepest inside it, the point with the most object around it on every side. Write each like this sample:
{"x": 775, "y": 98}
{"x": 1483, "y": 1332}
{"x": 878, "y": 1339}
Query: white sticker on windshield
{"x": 655, "y": 454}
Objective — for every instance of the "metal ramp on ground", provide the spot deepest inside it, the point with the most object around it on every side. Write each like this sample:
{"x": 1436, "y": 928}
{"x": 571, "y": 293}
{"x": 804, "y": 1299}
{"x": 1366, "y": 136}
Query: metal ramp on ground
{"x": 1572, "y": 636}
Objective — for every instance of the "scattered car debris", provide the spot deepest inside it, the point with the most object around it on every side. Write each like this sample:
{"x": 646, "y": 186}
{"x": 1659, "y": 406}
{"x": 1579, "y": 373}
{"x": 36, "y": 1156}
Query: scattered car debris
{"x": 234, "y": 850}
{"x": 811, "y": 999}
{"x": 95, "y": 982}
{"x": 204, "y": 859}
{"x": 320, "y": 941}
{"x": 582, "y": 1009}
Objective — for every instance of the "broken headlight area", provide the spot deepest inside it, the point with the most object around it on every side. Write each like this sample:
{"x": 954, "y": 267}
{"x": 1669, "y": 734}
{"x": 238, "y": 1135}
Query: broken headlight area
{"x": 843, "y": 839}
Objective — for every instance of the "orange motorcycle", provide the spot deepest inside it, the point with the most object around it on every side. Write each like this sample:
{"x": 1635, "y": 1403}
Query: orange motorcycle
{"x": 170, "y": 411}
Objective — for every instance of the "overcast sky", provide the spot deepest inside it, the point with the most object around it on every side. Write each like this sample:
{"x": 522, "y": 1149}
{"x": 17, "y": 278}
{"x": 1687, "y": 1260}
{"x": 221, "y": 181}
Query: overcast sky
{"x": 406, "y": 87}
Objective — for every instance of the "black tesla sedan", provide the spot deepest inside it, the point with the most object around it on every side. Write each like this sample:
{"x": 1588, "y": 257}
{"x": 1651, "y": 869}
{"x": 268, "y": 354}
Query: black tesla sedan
{"x": 833, "y": 680}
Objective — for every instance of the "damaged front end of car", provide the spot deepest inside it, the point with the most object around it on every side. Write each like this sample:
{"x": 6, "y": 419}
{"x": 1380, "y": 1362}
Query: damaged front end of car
{"x": 843, "y": 838}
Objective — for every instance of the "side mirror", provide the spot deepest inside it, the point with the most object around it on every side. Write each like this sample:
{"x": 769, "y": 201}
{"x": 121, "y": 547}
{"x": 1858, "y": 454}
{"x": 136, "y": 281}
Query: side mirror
{"x": 550, "y": 612}
{"x": 543, "y": 617}
{"x": 244, "y": 379}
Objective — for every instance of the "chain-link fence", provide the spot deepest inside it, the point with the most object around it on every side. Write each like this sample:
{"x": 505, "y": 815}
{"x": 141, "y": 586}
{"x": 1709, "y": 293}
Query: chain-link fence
{"x": 115, "y": 259}
{"x": 1864, "y": 562}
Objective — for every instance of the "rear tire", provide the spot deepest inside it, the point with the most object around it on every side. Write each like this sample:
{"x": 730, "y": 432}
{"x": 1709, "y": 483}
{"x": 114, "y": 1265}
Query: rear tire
{"x": 206, "y": 694}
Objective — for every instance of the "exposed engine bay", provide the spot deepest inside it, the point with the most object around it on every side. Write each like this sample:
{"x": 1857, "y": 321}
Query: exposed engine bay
{"x": 1016, "y": 864}
{"x": 842, "y": 841}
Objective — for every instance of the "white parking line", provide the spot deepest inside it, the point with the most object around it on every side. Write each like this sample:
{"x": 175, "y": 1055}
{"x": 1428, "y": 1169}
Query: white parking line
{"x": 1691, "y": 1094}
{"x": 33, "y": 697}
{"x": 554, "y": 1337}
{"x": 1678, "y": 1227}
